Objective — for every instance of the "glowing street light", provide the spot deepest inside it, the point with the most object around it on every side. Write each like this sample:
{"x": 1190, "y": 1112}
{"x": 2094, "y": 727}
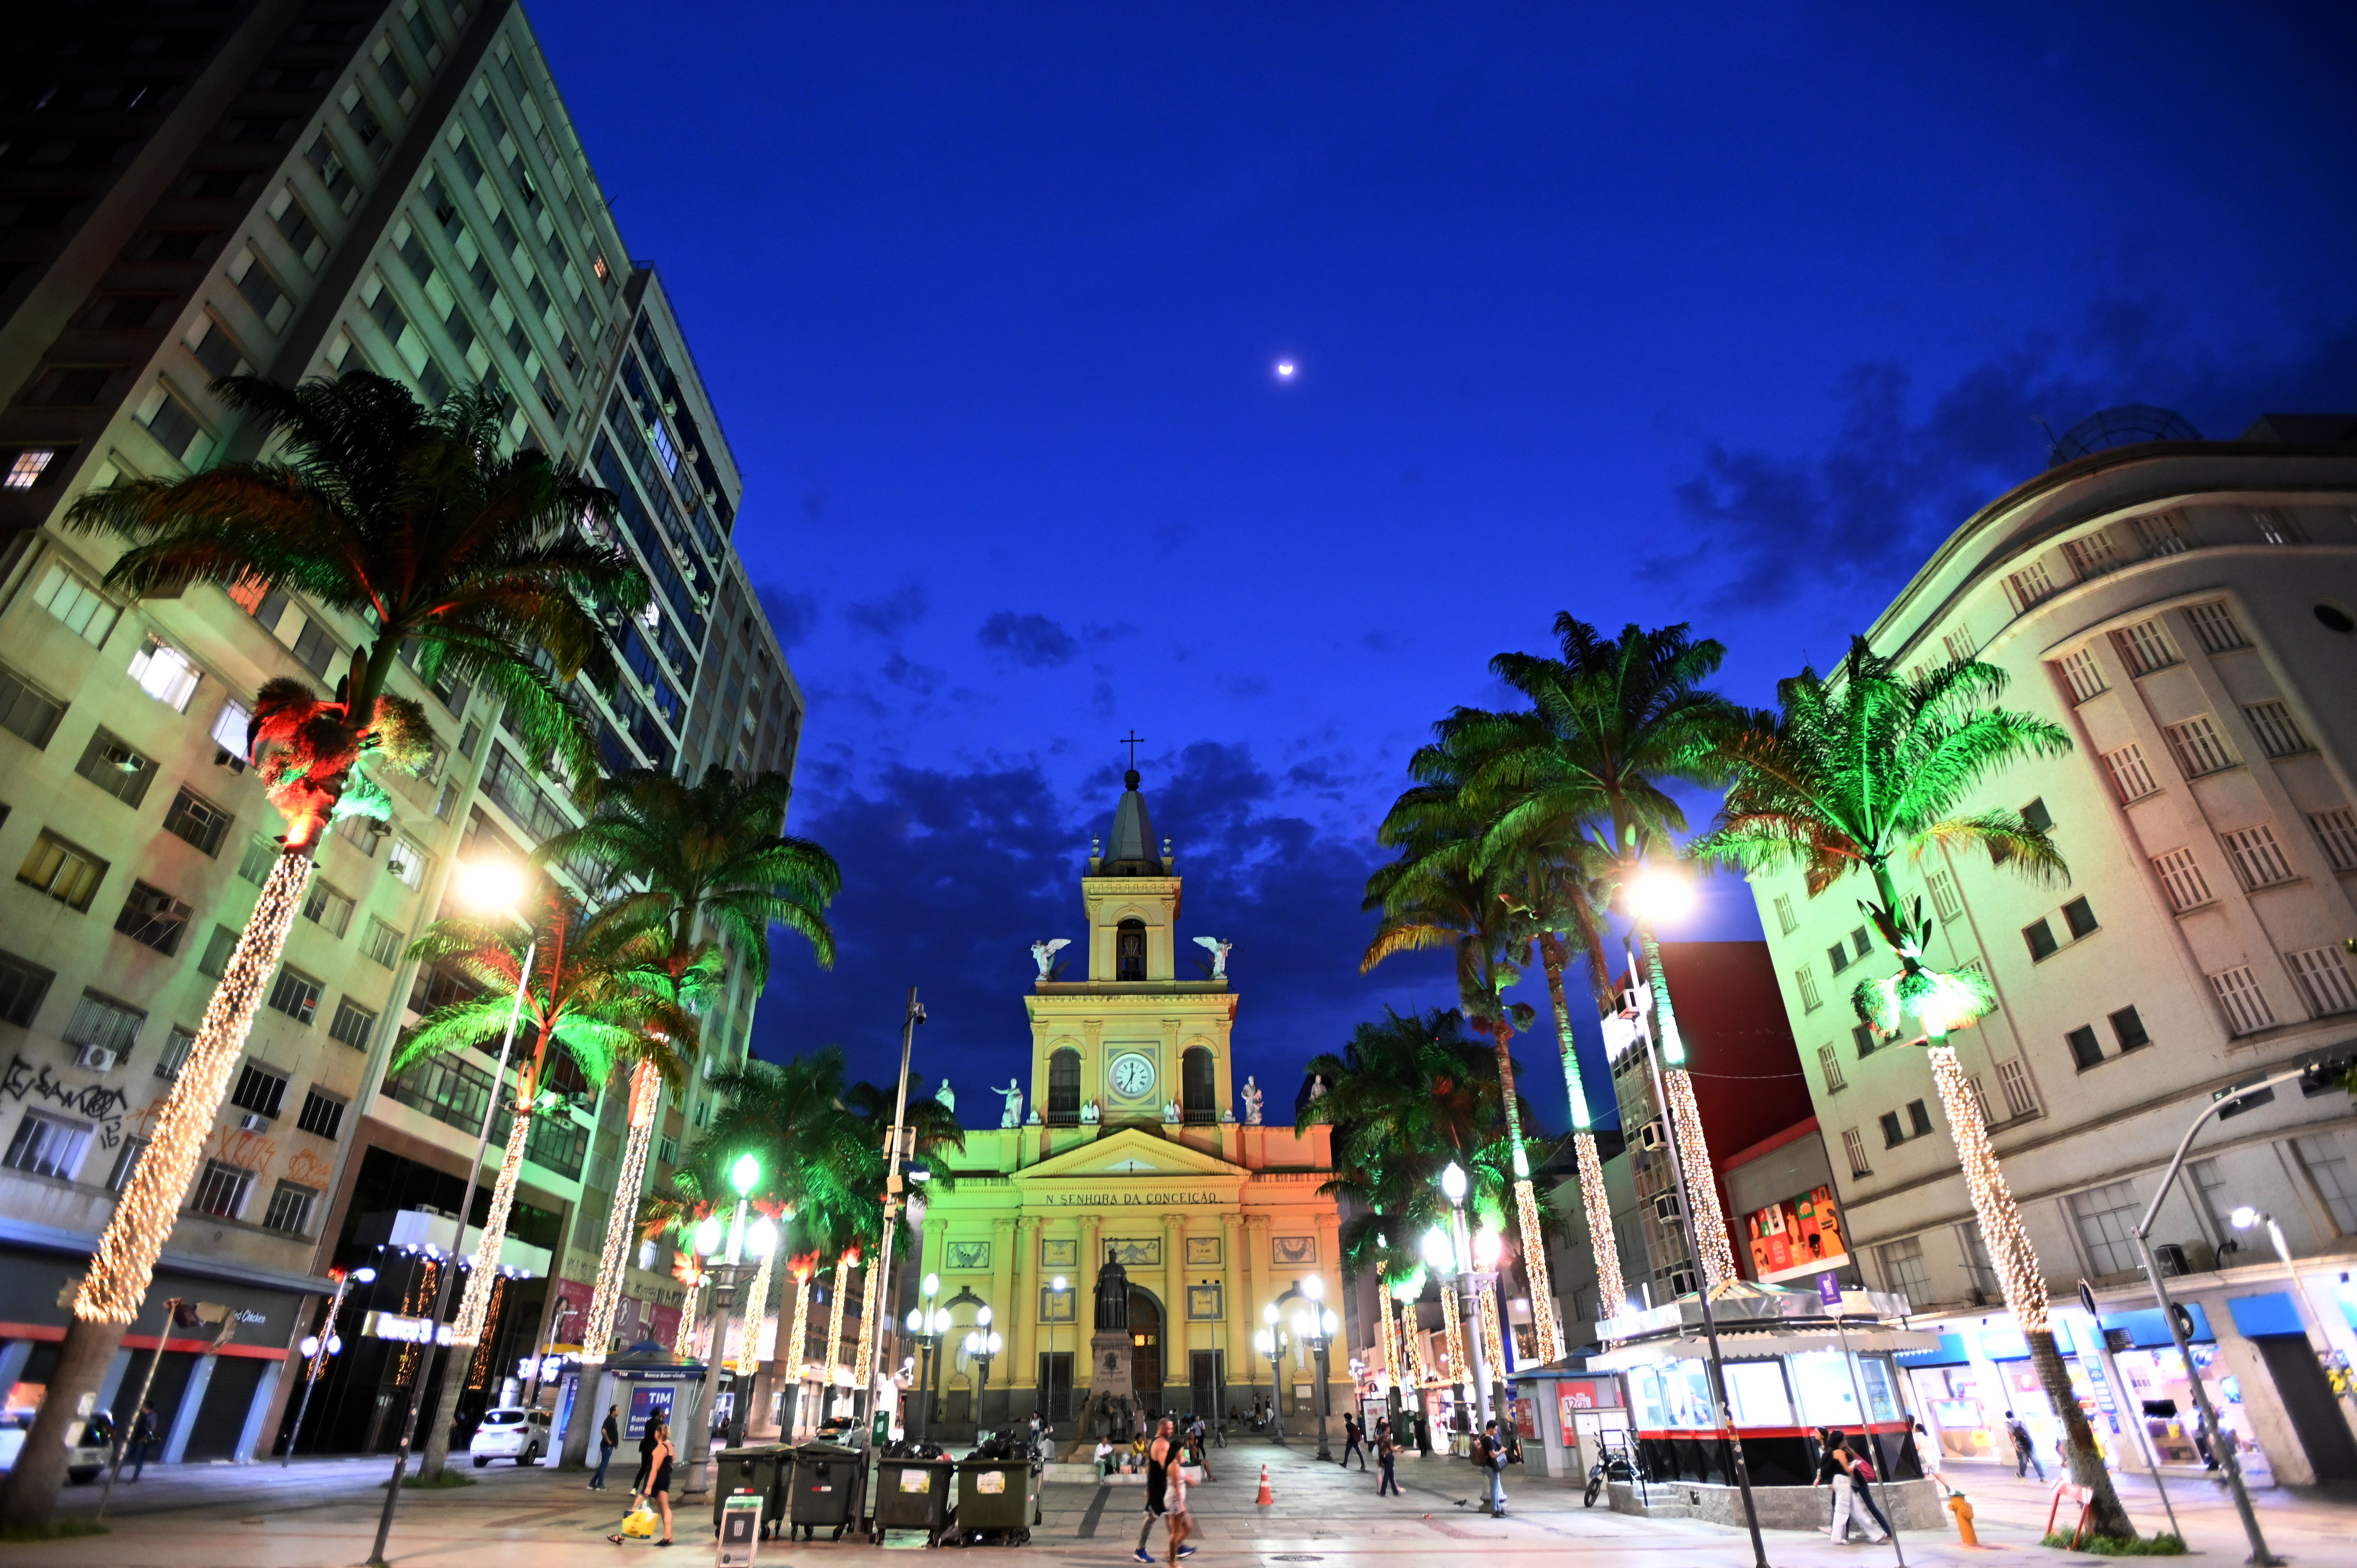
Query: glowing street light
{"x": 1271, "y": 1343}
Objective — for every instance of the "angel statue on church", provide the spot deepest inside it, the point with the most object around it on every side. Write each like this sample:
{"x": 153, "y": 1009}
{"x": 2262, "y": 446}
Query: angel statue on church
{"x": 1252, "y": 1102}
{"x": 947, "y": 1096}
{"x": 1090, "y": 1115}
{"x": 1219, "y": 951}
{"x": 1170, "y": 1112}
{"x": 1043, "y": 953}
{"x": 1013, "y": 1094}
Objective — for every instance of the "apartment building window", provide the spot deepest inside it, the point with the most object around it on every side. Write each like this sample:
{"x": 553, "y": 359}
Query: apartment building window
{"x": 260, "y": 858}
{"x": 2275, "y": 525}
{"x": 2085, "y": 1050}
{"x": 2278, "y": 732}
{"x": 2238, "y": 993}
{"x": 2013, "y": 1080}
{"x": 290, "y": 1208}
{"x": 2127, "y": 1028}
{"x": 2181, "y": 876}
{"x": 100, "y": 1020}
{"x": 25, "y": 469}
{"x": 2199, "y": 746}
{"x": 328, "y": 908}
{"x": 2079, "y": 915}
{"x": 67, "y": 873}
{"x": 383, "y": 943}
{"x": 2213, "y": 1197}
{"x": 1904, "y": 1270}
{"x": 323, "y": 1115}
{"x": 2336, "y": 832}
{"x": 2082, "y": 675}
{"x": 667, "y": 1150}
{"x": 228, "y": 731}
{"x": 176, "y": 1047}
{"x": 314, "y": 648}
{"x": 126, "y": 1164}
{"x": 2029, "y": 586}
{"x": 2040, "y": 936}
{"x": 2090, "y": 554}
{"x": 408, "y": 863}
{"x": 115, "y": 767}
{"x": 2213, "y": 625}
{"x": 1830, "y": 1065}
{"x": 2131, "y": 778}
{"x": 1959, "y": 644}
{"x": 49, "y": 1146}
{"x": 259, "y": 1089}
{"x": 2161, "y": 533}
{"x": 83, "y": 610}
{"x": 153, "y": 918}
{"x": 1838, "y": 956}
{"x": 296, "y": 994}
{"x": 2327, "y": 1164}
{"x": 1787, "y": 922}
{"x": 353, "y": 1025}
{"x": 218, "y": 947}
{"x": 2144, "y": 648}
{"x": 198, "y": 821}
{"x": 223, "y": 1191}
{"x": 1944, "y": 901}
{"x": 2323, "y": 981}
{"x": 2258, "y": 859}
{"x": 1854, "y": 1146}
{"x": 1805, "y": 977}
{"x": 1867, "y": 1041}
{"x": 2106, "y": 1217}
{"x": 26, "y": 712}
{"x": 165, "y": 674}
{"x": 1902, "y": 1127}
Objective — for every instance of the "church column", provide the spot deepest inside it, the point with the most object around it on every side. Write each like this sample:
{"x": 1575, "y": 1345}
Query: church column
{"x": 1256, "y": 1263}
{"x": 1023, "y": 1315}
{"x": 1341, "y": 1390}
{"x": 1003, "y": 1315}
{"x": 1235, "y": 1329}
{"x": 1176, "y": 1343}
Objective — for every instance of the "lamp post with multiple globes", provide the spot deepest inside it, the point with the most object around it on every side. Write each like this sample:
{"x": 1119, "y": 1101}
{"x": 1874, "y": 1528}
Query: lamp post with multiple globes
{"x": 927, "y": 1324}
{"x": 982, "y": 1344}
{"x": 1315, "y": 1326}
{"x": 1271, "y": 1343}
{"x": 321, "y": 1346}
{"x": 726, "y": 1248}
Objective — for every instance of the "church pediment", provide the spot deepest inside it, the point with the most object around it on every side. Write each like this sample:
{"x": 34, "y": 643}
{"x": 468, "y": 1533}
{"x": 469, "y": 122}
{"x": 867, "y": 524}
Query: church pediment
{"x": 1129, "y": 1153}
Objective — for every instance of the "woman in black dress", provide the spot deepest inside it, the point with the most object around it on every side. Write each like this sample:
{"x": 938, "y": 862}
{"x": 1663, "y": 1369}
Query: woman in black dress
{"x": 658, "y": 1484}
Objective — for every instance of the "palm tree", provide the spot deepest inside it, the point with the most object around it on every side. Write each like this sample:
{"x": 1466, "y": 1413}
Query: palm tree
{"x": 1847, "y": 774}
{"x": 594, "y": 995}
{"x": 1437, "y": 894}
{"x": 714, "y": 858}
{"x": 485, "y": 565}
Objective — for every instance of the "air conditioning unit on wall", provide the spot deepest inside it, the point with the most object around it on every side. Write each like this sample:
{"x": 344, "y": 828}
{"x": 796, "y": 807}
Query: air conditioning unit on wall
{"x": 97, "y": 1059}
{"x": 253, "y": 1121}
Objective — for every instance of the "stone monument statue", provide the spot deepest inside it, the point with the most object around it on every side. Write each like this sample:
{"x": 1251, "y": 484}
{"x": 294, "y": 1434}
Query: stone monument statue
{"x": 1013, "y": 1094}
{"x": 1109, "y": 1347}
{"x": 1252, "y": 1103}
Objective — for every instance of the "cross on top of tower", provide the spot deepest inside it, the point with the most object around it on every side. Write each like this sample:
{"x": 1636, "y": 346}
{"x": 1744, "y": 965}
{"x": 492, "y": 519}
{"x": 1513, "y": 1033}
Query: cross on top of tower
{"x": 1132, "y": 740}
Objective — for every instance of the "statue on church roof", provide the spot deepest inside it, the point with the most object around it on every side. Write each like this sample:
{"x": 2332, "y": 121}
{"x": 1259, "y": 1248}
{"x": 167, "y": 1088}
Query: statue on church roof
{"x": 1169, "y": 1113}
{"x": 1317, "y": 1087}
{"x": 947, "y": 1096}
{"x": 1090, "y": 1115}
{"x": 1219, "y": 951}
{"x": 1043, "y": 953}
{"x": 1013, "y": 1094}
{"x": 1252, "y": 1102}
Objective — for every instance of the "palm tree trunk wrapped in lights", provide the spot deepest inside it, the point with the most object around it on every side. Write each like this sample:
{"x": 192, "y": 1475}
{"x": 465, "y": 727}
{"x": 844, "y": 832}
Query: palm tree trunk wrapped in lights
{"x": 1713, "y": 1249}
{"x": 1390, "y": 1339}
{"x": 796, "y": 1351}
{"x": 835, "y": 1369}
{"x": 606, "y": 1296}
{"x": 1453, "y": 1332}
{"x": 1493, "y": 1345}
{"x": 1611, "y": 1290}
{"x": 683, "y": 1342}
{"x": 756, "y": 1315}
{"x": 863, "y": 1368}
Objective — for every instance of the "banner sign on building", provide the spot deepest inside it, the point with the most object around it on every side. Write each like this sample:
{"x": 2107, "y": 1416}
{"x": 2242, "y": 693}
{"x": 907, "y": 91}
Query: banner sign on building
{"x": 1798, "y": 1236}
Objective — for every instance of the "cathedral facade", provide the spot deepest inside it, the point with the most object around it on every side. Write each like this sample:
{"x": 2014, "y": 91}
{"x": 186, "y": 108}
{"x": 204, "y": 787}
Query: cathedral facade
{"x": 1131, "y": 1220}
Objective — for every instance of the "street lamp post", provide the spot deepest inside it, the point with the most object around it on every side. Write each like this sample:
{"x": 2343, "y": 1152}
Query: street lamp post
{"x": 894, "y": 1188}
{"x": 982, "y": 1344}
{"x": 1271, "y": 1343}
{"x": 1057, "y": 1286}
{"x": 2244, "y": 1217}
{"x": 727, "y": 1248}
{"x": 926, "y": 1325}
{"x": 1315, "y": 1326}
{"x": 319, "y": 1348}
{"x": 1453, "y": 1186}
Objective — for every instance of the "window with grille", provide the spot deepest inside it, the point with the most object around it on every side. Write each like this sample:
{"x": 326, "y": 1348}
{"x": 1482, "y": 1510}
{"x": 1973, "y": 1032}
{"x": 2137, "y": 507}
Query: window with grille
{"x": 2213, "y": 624}
{"x": 2144, "y": 648}
{"x": 290, "y": 1208}
{"x": 2275, "y": 525}
{"x": 102, "y": 1021}
{"x": 259, "y": 1089}
{"x": 1806, "y": 978}
{"x": 2327, "y": 1164}
{"x": 2013, "y": 1082}
{"x": 49, "y": 1146}
{"x": 1904, "y": 1270}
{"x": 1981, "y": 1099}
{"x": 2323, "y": 981}
{"x": 1830, "y": 1065}
{"x": 2090, "y": 554}
{"x": 1867, "y": 1041}
{"x": 198, "y": 821}
{"x": 26, "y": 712}
{"x": 66, "y": 872}
{"x": 2336, "y": 834}
{"x": 154, "y": 917}
{"x": 2258, "y": 859}
{"x": 1944, "y": 902}
{"x": 383, "y": 943}
{"x": 2106, "y": 1218}
{"x": 2131, "y": 780}
{"x": 2082, "y": 674}
{"x": 176, "y": 1047}
{"x": 353, "y": 1026}
{"x": 2278, "y": 732}
{"x": 323, "y": 1114}
{"x": 1959, "y": 644}
{"x": 1854, "y": 1146}
{"x": 2181, "y": 876}
{"x": 126, "y": 1162}
{"x": 2199, "y": 746}
{"x": 326, "y": 907}
{"x": 296, "y": 994}
{"x": 2246, "y": 1006}
{"x": 2029, "y": 586}
{"x": 1786, "y": 921}
{"x": 2085, "y": 1050}
{"x": 2161, "y": 533}
{"x": 116, "y": 766}
{"x": 260, "y": 856}
{"x": 223, "y": 1191}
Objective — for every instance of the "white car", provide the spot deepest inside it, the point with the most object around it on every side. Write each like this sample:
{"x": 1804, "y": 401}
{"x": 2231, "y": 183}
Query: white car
{"x": 512, "y": 1432}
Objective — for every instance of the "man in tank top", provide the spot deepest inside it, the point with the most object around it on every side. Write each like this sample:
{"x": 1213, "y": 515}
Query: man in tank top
{"x": 1160, "y": 1454}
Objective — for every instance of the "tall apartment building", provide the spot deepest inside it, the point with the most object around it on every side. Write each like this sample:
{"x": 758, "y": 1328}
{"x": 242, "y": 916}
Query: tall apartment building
{"x": 2187, "y": 611}
{"x": 299, "y": 187}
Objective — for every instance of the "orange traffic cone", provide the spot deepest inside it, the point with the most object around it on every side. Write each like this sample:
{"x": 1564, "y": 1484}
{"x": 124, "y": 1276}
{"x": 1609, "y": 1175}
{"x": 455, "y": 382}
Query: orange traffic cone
{"x": 1267, "y": 1497}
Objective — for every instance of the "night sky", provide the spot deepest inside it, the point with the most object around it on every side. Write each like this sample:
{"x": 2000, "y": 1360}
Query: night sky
{"x": 1720, "y": 316}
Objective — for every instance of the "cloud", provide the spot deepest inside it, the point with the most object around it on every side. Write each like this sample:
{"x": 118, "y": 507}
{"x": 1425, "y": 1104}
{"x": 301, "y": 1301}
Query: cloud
{"x": 793, "y": 616}
{"x": 1032, "y": 639}
{"x": 921, "y": 678}
{"x": 1246, "y": 686}
{"x": 892, "y": 614}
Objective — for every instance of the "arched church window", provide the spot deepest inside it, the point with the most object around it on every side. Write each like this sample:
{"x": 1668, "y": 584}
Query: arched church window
{"x": 1064, "y": 1088}
{"x": 1129, "y": 950}
{"x": 1196, "y": 1091}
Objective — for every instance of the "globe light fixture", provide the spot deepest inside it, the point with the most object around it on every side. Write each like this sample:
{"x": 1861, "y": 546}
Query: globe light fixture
{"x": 916, "y": 1320}
{"x": 1658, "y": 895}
{"x": 932, "y": 1284}
{"x": 1452, "y": 1182}
{"x": 1059, "y": 1285}
{"x": 1328, "y": 1324}
{"x": 2244, "y": 1217}
{"x": 744, "y": 1174}
{"x": 761, "y": 1240}
{"x": 1439, "y": 1256}
{"x": 983, "y": 1317}
{"x": 1269, "y": 1315}
{"x": 1314, "y": 1287}
{"x": 498, "y": 885}
{"x": 1487, "y": 1247}
{"x": 708, "y": 1236}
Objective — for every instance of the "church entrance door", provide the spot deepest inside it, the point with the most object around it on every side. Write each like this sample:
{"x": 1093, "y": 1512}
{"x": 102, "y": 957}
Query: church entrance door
{"x": 1145, "y": 1350}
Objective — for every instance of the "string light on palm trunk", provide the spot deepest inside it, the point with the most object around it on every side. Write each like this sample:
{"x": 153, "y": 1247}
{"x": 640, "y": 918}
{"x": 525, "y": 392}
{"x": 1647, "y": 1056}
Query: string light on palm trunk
{"x": 1485, "y": 1305}
{"x": 761, "y": 1240}
{"x": 1612, "y": 1290}
{"x": 2010, "y": 1253}
{"x": 150, "y": 1204}
{"x": 605, "y": 1301}
{"x": 683, "y": 1342}
{"x": 1453, "y": 1332}
{"x": 1713, "y": 1249}
{"x": 842, "y": 1267}
{"x": 862, "y": 1358}
{"x": 475, "y": 1306}
{"x": 1544, "y": 1327}
{"x": 796, "y": 1349}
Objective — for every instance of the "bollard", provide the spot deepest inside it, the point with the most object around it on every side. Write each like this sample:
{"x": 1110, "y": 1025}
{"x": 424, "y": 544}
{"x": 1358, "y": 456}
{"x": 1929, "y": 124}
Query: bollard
{"x": 1963, "y": 1512}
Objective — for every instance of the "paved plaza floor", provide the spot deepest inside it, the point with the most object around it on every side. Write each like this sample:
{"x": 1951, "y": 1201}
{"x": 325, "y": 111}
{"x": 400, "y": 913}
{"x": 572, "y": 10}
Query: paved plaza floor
{"x": 323, "y": 1513}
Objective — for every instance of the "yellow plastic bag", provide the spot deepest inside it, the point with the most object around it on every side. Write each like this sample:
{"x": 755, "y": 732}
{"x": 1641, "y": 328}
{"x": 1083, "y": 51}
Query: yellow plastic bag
{"x": 639, "y": 1523}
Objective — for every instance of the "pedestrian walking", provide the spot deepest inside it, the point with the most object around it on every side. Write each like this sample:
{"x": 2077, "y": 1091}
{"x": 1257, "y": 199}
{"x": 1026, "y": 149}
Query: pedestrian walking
{"x": 609, "y": 1437}
{"x": 2025, "y": 1449}
{"x": 1175, "y": 1505}
{"x": 1423, "y": 1436}
{"x": 658, "y": 1461}
{"x": 1351, "y": 1436}
{"x": 1861, "y": 1485}
{"x": 143, "y": 1435}
{"x": 1834, "y": 1470}
{"x": 1490, "y": 1458}
{"x": 1159, "y": 1455}
{"x": 650, "y": 1437}
{"x": 1386, "y": 1454}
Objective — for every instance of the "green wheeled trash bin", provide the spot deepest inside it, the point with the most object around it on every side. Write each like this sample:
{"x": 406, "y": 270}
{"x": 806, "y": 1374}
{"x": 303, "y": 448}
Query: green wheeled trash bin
{"x": 999, "y": 1497}
{"x": 913, "y": 1494}
{"x": 830, "y": 1482}
{"x": 758, "y": 1468}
